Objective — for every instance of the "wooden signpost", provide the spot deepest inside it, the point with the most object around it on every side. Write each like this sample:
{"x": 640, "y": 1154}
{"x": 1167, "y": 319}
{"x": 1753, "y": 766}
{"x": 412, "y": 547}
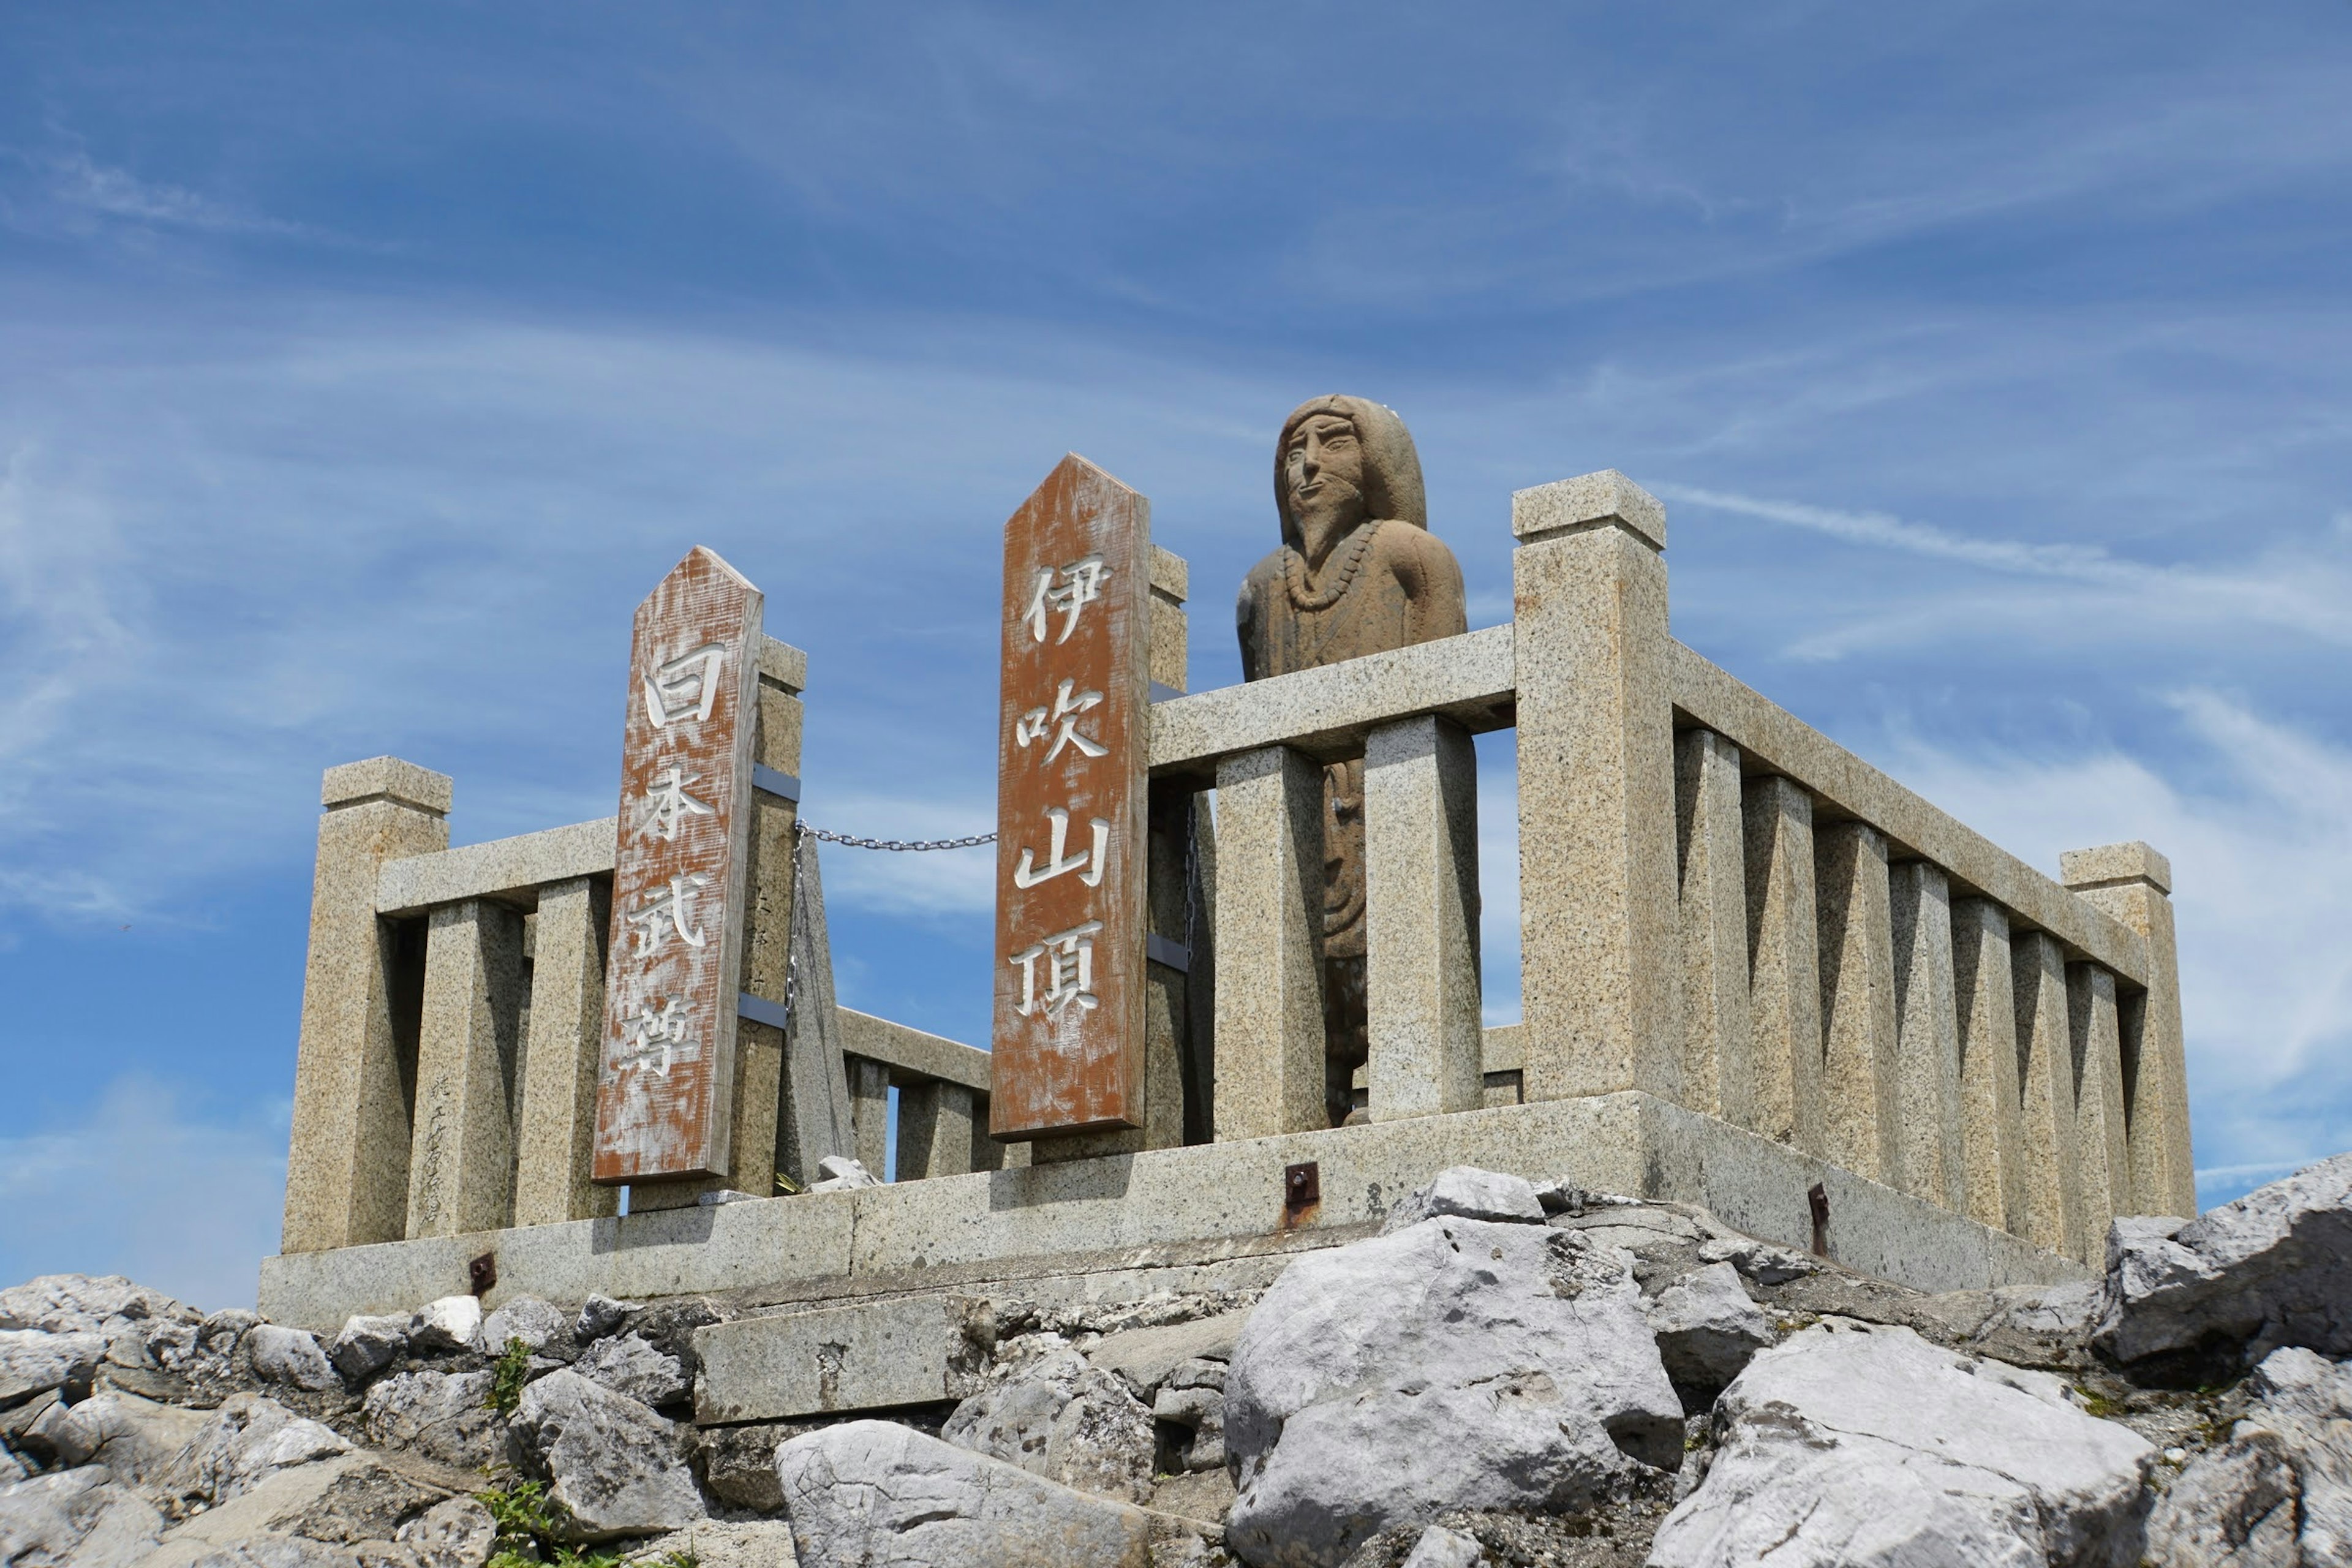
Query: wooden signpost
{"x": 666, "y": 1080}
{"x": 1072, "y": 741}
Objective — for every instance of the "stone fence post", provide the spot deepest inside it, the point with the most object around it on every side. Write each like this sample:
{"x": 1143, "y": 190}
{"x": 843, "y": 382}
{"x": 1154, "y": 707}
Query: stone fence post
{"x": 2134, "y": 883}
{"x": 1597, "y": 884}
{"x": 347, "y": 1162}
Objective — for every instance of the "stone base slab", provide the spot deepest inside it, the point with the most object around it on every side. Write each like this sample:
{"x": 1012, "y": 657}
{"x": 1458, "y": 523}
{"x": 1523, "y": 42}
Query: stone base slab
{"x": 873, "y": 1356}
{"x": 1165, "y": 1207}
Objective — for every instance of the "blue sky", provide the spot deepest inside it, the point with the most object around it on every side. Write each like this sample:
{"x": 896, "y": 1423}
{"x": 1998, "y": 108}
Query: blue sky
{"x": 361, "y": 368}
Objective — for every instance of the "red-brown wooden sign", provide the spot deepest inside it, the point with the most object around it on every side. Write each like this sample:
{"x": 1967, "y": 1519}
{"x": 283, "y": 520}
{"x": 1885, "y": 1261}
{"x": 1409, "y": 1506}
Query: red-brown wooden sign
{"x": 665, "y": 1087}
{"x": 1072, "y": 741}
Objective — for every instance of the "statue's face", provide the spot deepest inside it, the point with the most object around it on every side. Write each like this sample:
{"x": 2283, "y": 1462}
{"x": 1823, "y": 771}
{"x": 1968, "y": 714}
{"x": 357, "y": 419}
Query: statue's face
{"x": 1324, "y": 468}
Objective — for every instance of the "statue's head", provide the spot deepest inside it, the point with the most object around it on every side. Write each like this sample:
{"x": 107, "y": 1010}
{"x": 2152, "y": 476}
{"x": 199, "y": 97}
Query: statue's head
{"x": 1342, "y": 462}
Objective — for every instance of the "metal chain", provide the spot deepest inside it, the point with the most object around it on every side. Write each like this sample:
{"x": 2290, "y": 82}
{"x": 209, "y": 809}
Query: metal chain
{"x": 854, "y": 842}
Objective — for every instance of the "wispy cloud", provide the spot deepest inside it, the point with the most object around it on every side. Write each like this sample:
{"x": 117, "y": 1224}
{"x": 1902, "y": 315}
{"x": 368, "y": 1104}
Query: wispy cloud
{"x": 141, "y": 1186}
{"x": 2303, "y": 586}
{"x": 2262, "y": 857}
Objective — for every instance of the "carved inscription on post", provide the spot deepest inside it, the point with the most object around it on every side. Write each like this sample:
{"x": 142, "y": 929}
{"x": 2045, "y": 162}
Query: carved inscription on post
{"x": 1072, "y": 739}
{"x": 664, "y": 1088}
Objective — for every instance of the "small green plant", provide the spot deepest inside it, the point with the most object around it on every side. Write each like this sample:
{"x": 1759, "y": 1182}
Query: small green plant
{"x": 2099, "y": 1404}
{"x": 529, "y": 1523}
{"x": 508, "y": 1374}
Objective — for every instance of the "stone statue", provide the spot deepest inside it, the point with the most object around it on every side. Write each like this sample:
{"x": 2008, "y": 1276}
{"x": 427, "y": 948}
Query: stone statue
{"x": 1358, "y": 571}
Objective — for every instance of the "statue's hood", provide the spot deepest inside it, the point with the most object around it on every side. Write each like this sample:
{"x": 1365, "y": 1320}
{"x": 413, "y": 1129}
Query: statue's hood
{"x": 1391, "y": 468}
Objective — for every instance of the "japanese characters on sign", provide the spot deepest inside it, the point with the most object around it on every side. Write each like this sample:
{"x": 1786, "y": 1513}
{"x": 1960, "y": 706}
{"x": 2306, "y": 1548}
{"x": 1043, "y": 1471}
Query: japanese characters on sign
{"x": 1072, "y": 765}
{"x": 665, "y": 1085}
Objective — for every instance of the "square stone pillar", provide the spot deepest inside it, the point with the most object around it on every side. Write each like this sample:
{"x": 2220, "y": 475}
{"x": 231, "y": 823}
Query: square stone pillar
{"x": 1784, "y": 966}
{"x": 1991, "y": 1134}
{"x": 934, "y": 1131}
{"x": 556, "y": 1135}
{"x": 2100, "y": 1144}
{"x": 1719, "y": 1042}
{"x": 1927, "y": 1035}
{"x": 1858, "y": 1002}
{"x": 2046, "y": 1057}
{"x": 347, "y": 1160}
{"x": 869, "y": 1113}
{"x": 2133, "y": 883}
{"x": 1269, "y": 1038}
{"x": 1421, "y": 908}
{"x": 1600, "y": 959}
{"x": 462, "y": 1160}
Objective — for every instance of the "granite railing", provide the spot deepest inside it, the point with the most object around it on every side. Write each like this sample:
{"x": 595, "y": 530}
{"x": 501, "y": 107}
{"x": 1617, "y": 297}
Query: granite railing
{"x": 1719, "y": 907}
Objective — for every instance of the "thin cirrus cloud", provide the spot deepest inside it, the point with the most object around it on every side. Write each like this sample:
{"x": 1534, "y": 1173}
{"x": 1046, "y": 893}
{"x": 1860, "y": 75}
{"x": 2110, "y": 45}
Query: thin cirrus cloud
{"x": 2302, "y": 586}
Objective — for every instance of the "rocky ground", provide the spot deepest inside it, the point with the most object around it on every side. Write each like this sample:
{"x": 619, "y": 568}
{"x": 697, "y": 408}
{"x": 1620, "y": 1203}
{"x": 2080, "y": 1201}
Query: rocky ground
{"x": 1506, "y": 1375}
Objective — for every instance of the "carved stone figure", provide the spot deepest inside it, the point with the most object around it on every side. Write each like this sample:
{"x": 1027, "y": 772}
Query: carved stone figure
{"x": 1358, "y": 571}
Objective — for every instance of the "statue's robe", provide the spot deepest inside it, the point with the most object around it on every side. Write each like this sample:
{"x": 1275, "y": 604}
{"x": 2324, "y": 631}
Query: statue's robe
{"x": 1390, "y": 583}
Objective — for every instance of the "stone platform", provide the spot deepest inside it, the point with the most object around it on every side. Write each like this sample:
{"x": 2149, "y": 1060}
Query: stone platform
{"x": 1180, "y": 1209}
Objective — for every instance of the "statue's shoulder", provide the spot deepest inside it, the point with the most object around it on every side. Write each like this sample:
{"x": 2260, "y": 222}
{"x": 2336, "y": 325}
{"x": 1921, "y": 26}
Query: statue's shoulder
{"x": 1403, "y": 543}
{"x": 1265, "y": 574}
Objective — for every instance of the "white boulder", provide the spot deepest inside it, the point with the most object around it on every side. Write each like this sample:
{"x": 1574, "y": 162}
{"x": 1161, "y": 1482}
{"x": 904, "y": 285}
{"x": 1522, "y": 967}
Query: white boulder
{"x": 877, "y": 1492}
{"x": 136, "y": 1439}
{"x": 599, "y": 1316}
{"x": 1472, "y": 1194}
{"x": 440, "y": 1416}
{"x": 368, "y": 1344}
{"x": 616, "y": 1468}
{"x": 1855, "y": 1447}
{"x": 1066, "y": 1420}
{"x": 626, "y": 1364}
{"x": 2273, "y": 1267}
{"x": 1454, "y": 1363}
{"x": 451, "y": 1323}
{"x": 1707, "y": 1328}
{"x": 290, "y": 1356}
{"x": 248, "y": 1440}
{"x": 34, "y": 1360}
{"x": 1442, "y": 1547}
{"x": 536, "y": 1323}
{"x": 456, "y": 1533}
{"x": 76, "y": 1519}
{"x": 2279, "y": 1492}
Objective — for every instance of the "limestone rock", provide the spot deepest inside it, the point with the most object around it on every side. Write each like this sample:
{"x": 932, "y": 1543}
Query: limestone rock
{"x": 455, "y": 1533}
{"x": 1065, "y": 1419}
{"x": 1472, "y": 1194}
{"x": 442, "y": 1416}
{"x": 1707, "y": 1328}
{"x": 451, "y": 1323}
{"x": 243, "y": 1442}
{"x": 291, "y": 1357}
{"x": 367, "y": 1345}
{"x": 627, "y": 1364}
{"x": 2275, "y": 1267}
{"x": 34, "y": 1360}
{"x": 739, "y": 1463}
{"x": 2280, "y": 1490}
{"x": 599, "y": 1316}
{"x": 76, "y": 1519}
{"x": 1759, "y": 1260}
{"x": 83, "y": 1303}
{"x": 736, "y": 1544}
{"x": 619, "y": 1468}
{"x": 843, "y": 1175}
{"x": 137, "y": 1440}
{"x": 536, "y": 1323}
{"x": 1192, "y": 1398}
{"x": 1442, "y": 1547}
{"x": 1143, "y": 1358}
{"x": 874, "y": 1492}
{"x": 369, "y": 1497}
{"x": 1455, "y": 1364}
{"x": 12, "y": 1468}
{"x": 1849, "y": 1446}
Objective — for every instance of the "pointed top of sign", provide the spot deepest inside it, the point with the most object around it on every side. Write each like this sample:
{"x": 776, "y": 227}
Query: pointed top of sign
{"x": 1075, "y": 478}
{"x": 705, "y": 563}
